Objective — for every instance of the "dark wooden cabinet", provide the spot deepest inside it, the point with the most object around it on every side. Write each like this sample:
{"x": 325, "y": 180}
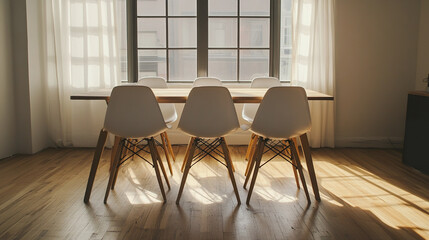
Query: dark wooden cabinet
{"x": 416, "y": 140}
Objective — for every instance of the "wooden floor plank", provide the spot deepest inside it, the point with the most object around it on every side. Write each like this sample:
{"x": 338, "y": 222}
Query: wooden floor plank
{"x": 366, "y": 194}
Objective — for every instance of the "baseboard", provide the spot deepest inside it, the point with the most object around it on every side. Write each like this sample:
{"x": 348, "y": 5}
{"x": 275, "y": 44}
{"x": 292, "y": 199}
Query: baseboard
{"x": 372, "y": 142}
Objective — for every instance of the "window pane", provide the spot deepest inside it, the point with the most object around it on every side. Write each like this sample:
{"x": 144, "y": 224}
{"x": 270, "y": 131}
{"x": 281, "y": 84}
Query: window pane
{"x": 223, "y": 7}
{"x": 223, "y": 32}
{"x": 254, "y": 63}
{"x": 152, "y": 63}
{"x": 223, "y": 64}
{"x": 255, "y": 7}
{"x": 255, "y": 32}
{"x": 182, "y": 7}
{"x": 286, "y": 40}
{"x": 183, "y": 65}
{"x": 182, "y": 32}
{"x": 150, "y": 7}
{"x": 151, "y": 33}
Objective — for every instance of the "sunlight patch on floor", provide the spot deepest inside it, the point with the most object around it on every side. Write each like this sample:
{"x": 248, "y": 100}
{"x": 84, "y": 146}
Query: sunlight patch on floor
{"x": 386, "y": 200}
{"x": 143, "y": 197}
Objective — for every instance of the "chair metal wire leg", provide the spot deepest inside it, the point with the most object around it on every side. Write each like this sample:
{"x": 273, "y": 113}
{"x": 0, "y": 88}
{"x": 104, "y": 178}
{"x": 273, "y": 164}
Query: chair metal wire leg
{"x": 96, "y": 160}
{"x": 155, "y": 165}
{"x": 114, "y": 167}
{"x": 187, "y": 167}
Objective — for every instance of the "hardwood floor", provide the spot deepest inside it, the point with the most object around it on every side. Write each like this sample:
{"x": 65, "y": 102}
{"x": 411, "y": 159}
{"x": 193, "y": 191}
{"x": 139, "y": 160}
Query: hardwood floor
{"x": 366, "y": 194}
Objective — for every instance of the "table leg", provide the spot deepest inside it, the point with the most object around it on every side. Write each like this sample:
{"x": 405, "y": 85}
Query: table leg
{"x": 310, "y": 167}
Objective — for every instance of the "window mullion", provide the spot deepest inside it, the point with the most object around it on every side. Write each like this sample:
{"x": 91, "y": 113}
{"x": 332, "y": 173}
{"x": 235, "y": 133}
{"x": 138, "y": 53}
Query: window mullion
{"x": 132, "y": 58}
{"x": 275, "y": 21}
{"x": 238, "y": 40}
{"x": 167, "y": 52}
{"x": 202, "y": 38}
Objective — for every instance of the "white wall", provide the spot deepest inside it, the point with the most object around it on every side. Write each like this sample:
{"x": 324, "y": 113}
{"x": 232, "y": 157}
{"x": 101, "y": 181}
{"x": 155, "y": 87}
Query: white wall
{"x": 376, "y": 52}
{"x": 36, "y": 65}
{"x": 20, "y": 69}
{"x": 7, "y": 100}
{"x": 423, "y": 47}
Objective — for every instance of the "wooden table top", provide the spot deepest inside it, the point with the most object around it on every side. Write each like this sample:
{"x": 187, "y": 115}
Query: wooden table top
{"x": 179, "y": 95}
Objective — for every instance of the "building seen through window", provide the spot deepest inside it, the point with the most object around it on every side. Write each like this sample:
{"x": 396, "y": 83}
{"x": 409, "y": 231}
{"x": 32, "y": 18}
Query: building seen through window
{"x": 238, "y": 39}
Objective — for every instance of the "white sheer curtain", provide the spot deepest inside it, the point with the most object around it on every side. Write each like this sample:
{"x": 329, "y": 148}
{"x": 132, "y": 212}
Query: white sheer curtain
{"x": 82, "y": 54}
{"x": 313, "y": 62}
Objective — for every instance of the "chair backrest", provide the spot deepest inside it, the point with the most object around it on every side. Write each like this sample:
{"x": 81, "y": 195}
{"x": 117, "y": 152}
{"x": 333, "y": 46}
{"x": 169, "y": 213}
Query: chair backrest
{"x": 283, "y": 113}
{"x": 249, "y": 109}
{"x": 153, "y": 82}
{"x": 168, "y": 109}
{"x": 207, "y": 81}
{"x": 133, "y": 112}
{"x": 209, "y": 112}
{"x": 265, "y": 82}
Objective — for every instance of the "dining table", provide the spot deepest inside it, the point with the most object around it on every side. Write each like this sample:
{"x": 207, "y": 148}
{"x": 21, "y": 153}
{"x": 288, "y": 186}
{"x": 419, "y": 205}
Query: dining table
{"x": 239, "y": 95}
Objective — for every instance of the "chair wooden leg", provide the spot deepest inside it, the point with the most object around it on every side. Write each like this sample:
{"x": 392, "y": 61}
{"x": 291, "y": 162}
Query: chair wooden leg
{"x": 114, "y": 167}
{"x": 249, "y": 147}
{"x": 310, "y": 166}
{"x": 162, "y": 167}
{"x": 165, "y": 148}
{"x": 114, "y": 150}
{"x": 229, "y": 166}
{"x": 95, "y": 161}
{"x": 229, "y": 155}
{"x": 301, "y": 174}
{"x": 170, "y": 148}
{"x": 251, "y": 153}
{"x": 187, "y": 153}
{"x": 295, "y": 173}
{"x": 154, "y": 156}
{"x": 255, "y": 172}
{"x": 258, "y": 151}
{"x": 188, "y": 161}
{"x": 114, "y": 178}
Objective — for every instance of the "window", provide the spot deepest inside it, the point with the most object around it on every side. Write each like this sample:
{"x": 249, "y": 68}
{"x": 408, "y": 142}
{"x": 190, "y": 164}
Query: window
{"x": 167, "y": 39}
{"x": 233, "y": 40}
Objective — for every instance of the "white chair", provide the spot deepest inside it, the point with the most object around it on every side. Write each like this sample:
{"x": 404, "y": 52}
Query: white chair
{"x": 168, "y": 112}
{"x": 249, "y": 109}
{"x": 207, "y": 81}
{"x": 132, "y": 113}
{"x": 249, "y": 112}
{"x": 209, "y": 115}
{"x": 282, "y": 115}
{"x": 199, "y": 82}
